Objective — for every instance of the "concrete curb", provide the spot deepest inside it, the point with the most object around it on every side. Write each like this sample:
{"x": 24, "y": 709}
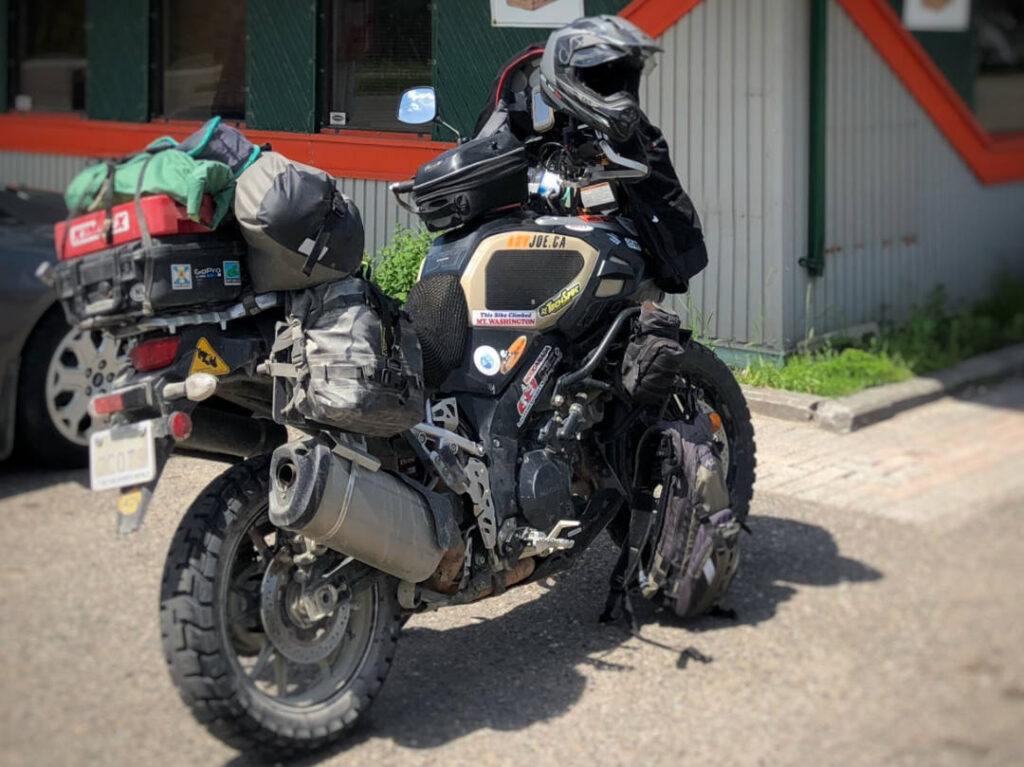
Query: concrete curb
{"x": 846, "y": 414}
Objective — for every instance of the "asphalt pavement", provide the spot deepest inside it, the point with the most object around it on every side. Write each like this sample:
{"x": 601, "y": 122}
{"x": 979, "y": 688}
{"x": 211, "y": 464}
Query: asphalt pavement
{"x": 869, "y": 631}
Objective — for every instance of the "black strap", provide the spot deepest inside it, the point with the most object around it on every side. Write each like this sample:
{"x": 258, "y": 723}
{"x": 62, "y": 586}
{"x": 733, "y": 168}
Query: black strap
{"x": 622, "y": 582}
{"x": 108, "y": 201}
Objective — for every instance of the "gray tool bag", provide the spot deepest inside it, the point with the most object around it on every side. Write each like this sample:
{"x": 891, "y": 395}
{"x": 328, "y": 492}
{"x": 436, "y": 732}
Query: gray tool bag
{"x": 697, "y": 551}
{"x": 347, "y": 357}
{"x": 301, "y": 229}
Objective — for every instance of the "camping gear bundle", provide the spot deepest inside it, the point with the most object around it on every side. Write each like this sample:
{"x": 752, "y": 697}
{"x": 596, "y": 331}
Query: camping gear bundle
{"x": 200, "y": 225}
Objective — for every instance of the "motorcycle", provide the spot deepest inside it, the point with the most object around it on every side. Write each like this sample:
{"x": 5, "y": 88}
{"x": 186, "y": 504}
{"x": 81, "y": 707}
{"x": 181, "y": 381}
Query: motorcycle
{"x": 289, "y": 577}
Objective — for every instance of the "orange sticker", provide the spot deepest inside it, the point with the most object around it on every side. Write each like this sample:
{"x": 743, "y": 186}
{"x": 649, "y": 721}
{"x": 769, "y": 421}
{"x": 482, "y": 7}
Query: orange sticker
{"x": 511, "y": 355}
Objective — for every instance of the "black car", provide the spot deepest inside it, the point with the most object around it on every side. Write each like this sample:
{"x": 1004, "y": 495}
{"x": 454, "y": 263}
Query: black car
{"x": 48, "y": 370}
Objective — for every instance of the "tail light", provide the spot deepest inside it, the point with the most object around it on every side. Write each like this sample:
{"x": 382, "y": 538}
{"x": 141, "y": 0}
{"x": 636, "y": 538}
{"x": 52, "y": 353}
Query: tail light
{"x": 180, "y": 425}
{"x": 155, "y": 354}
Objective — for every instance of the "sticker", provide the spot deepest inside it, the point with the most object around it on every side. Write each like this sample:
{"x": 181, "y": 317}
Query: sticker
{"x": 129, "y": 501}
{"x": 181, "y": 276}
{"x": 511, "y": 355}
{"x": 232, "y": 273}
{"x": 597, "y": 195}
{"x": 527, "y": 240}
{"x": 535, "y": 380}
{"x": 616, "y": 240}
{"x": 487, "y": 360}
{"x": 559, "y": 302}
{"x": 207, "y": 273}
{"x": 580, "y": 227}
{"x": 633, "y": 243}
{"x": 207, "y": 360}
{"x": 94, "y": 229}
{"x": 504, "y": 319}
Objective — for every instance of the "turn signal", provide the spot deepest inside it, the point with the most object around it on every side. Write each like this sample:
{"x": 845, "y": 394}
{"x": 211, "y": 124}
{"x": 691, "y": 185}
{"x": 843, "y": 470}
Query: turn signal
{"x": 716, "y": 420}
{"x": 155, "y": 354}
{"x": 180, "y": 425}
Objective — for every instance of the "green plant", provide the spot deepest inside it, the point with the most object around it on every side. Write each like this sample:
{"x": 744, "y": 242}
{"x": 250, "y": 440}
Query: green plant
{"x": 397, "y": 265}
{"x": 935, "y": 336}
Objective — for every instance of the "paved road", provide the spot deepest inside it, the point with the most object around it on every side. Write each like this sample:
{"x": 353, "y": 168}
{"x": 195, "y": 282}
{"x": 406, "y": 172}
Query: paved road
{"x": 872, "y": 629}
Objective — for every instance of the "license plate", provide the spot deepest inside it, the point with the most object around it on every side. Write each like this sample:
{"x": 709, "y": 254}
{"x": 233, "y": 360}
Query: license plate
{"x": 121, "y": 456}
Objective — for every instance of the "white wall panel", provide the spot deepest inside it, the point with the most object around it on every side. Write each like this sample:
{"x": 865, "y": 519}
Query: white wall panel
{"x": 729, "y": 97}
{"x": 904, "y": 212}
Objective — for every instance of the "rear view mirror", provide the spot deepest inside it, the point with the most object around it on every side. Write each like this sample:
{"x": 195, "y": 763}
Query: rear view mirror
{"x": 418, "y": 106}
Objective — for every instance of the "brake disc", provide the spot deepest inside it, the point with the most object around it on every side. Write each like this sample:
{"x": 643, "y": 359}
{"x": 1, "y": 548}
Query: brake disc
{"x": 298, "y": 640}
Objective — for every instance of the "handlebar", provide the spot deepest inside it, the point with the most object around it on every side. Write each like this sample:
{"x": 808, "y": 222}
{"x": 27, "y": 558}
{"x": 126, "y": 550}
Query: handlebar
{"x": 404, "y": 187}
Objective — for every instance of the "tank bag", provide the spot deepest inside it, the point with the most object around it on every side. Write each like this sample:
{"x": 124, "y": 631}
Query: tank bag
{"x": 347, "y": 357}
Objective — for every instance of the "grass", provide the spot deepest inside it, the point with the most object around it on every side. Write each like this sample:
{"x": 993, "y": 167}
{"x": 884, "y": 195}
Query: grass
{"x": 934, "y": 337}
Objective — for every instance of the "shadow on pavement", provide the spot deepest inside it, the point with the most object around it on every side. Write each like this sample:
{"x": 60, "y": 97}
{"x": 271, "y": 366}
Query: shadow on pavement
{"x": 17, "y": 478}
{"x": 511, "y": 671}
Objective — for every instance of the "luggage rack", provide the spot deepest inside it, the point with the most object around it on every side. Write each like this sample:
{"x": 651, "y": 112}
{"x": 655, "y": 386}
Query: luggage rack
{"x": 172, "y": 323}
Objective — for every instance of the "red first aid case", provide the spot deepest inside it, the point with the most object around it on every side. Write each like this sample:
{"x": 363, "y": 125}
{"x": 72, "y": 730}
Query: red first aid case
{"x": 89, "y": 233}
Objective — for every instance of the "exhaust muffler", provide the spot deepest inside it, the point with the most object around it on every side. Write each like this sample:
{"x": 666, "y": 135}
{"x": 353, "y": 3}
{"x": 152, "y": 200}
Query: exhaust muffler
{"x": 369, "y": 515}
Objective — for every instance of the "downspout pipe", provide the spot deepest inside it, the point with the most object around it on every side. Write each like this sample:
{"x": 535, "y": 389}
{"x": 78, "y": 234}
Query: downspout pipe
{"x": 814, "y": 261}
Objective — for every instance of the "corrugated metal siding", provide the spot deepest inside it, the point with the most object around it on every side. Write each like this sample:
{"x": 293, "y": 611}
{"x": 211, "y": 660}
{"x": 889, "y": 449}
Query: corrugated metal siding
{"x": 903, "y": 211}
{"x": 380, "y": 213}
{"x": 42, "y": 171}
{"x": 728, "y": 95}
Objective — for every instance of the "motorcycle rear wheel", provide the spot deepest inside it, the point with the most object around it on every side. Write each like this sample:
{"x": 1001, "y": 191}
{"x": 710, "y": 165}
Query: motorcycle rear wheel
{"x": 244, "y": 686}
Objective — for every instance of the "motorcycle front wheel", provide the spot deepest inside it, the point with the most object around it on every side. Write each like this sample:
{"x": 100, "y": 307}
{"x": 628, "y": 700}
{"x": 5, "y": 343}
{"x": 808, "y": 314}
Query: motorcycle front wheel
{"x": 259, "y": 667}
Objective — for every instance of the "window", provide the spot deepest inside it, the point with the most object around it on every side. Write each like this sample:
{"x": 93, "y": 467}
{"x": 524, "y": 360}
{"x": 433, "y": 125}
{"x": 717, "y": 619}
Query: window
{"x": 378, "y": 48}
{"x": 999, "y": 87}
{"x": 203, "y": 53}
{"x": 48, "y": 42}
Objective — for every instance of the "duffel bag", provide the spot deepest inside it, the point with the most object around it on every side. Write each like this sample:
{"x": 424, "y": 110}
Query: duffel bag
{"x": 302, "y": 231}
{"x": 347, "y": 357}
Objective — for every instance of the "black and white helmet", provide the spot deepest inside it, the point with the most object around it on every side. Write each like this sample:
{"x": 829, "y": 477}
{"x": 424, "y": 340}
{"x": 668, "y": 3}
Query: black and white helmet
{"x": 591, "y": 70}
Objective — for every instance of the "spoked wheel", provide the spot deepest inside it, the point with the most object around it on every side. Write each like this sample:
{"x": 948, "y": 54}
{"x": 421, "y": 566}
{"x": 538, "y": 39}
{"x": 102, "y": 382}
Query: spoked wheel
{"x": 270, "y": 642}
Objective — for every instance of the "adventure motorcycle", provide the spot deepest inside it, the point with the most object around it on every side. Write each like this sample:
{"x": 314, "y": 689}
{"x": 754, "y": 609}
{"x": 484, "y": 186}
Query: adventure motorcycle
{"x": 289, "y": 577}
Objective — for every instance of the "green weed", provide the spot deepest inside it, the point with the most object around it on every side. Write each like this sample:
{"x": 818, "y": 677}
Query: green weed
{"x": 934, "y": 337}
{"x": 397, "y": 265}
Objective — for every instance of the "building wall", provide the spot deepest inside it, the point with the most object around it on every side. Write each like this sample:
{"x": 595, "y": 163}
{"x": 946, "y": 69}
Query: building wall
{"x": 903, "y": 210}
{"x": 730, "y": 94}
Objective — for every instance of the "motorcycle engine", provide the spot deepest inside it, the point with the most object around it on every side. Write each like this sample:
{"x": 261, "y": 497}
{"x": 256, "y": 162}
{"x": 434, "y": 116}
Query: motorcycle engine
{"x": 545, "y": 489}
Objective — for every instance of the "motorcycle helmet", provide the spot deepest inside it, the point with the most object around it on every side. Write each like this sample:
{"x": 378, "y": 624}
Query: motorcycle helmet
{"x": 591, "y": 70}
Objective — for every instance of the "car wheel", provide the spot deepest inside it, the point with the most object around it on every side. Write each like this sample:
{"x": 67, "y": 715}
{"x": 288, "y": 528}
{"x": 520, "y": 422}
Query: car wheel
{"x": 61, "y": 370}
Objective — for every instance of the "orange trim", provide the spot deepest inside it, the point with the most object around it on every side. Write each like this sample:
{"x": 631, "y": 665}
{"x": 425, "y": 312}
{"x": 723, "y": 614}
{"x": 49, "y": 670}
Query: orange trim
{"x": 384, "y": 156}
{"x": 655, "y": 17}
{"x": 994, "y": 159}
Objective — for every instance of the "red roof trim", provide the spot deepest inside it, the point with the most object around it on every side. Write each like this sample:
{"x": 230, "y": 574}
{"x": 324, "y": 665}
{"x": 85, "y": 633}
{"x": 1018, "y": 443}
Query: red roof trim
{"x": 655, "y": 17}
{"x": 994, "y": 159}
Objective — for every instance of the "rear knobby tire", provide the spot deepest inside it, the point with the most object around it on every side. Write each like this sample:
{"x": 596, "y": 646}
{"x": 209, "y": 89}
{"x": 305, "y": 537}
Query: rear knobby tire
{"x": 199, "y": 654}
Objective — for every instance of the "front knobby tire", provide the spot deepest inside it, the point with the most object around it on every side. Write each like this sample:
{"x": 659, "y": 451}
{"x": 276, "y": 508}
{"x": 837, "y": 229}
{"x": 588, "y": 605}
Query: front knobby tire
{"x": 719, "y": 389}
{"x": 201, "y": 641}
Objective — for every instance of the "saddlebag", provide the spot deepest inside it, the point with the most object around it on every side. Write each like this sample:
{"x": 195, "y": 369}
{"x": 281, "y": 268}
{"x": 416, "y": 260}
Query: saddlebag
{"x": 347, "y": 357}
{"x": 302, "y": 231}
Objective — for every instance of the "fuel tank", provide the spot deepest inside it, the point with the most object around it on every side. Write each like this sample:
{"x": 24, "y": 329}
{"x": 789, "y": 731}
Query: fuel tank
{"x": 529, "y": 285}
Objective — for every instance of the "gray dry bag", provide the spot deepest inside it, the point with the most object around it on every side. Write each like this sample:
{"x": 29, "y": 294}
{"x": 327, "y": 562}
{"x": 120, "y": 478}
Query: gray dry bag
{"x": 301, "y": 230}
